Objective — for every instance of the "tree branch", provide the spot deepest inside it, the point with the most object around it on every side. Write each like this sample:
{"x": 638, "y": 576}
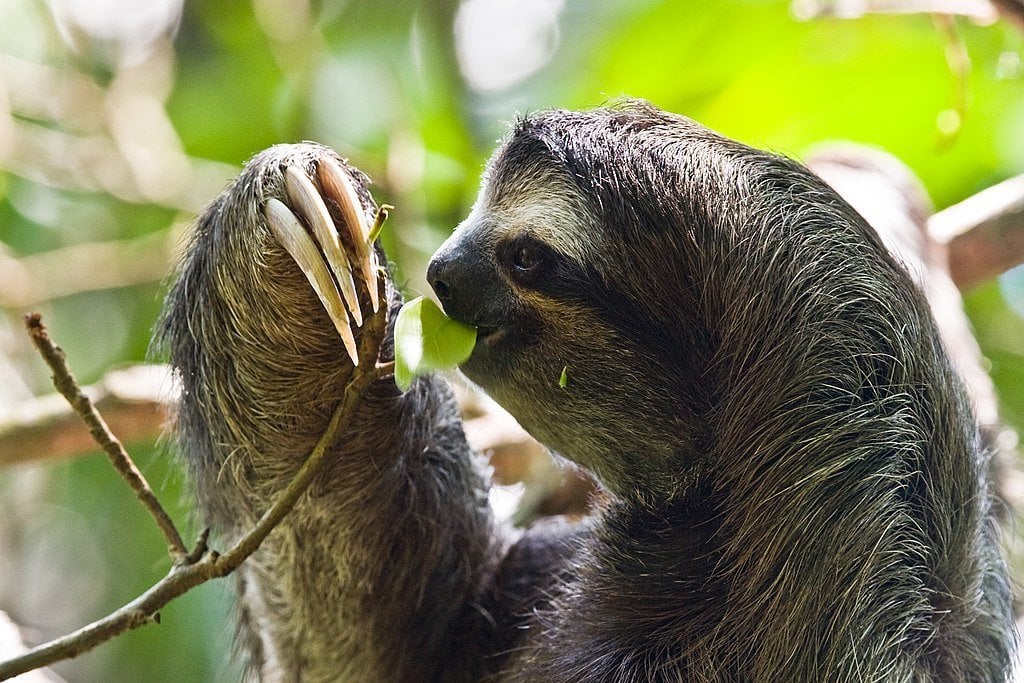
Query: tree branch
{"x": 132, "y": 400}
{"x": 66, "y": 384}
{"x": 201, "y": 564}
{"x": 32, "y": 280}
{"x": 984, "y": 233}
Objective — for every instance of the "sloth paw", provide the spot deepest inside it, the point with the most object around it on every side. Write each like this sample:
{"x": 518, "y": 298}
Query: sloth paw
{"x": 325, "y": 231}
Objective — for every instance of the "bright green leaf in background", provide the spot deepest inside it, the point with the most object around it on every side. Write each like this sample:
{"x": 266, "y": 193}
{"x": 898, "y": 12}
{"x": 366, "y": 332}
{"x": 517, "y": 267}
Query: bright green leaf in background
{"x": 426, "y": 340}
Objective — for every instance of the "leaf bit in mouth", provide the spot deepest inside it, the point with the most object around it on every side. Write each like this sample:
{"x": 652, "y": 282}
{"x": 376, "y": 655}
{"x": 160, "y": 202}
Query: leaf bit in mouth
{"x": 426, "y": 340}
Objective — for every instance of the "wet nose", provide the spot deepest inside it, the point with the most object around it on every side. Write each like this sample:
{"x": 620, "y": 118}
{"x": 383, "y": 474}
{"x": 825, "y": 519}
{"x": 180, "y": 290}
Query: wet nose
{"x": 464, "y": 281}
{"x": 438, "y": 276}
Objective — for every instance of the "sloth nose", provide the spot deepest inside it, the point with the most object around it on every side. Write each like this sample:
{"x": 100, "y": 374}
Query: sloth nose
{"x": 462, "y": 281}
{"x": 438, "y": 273}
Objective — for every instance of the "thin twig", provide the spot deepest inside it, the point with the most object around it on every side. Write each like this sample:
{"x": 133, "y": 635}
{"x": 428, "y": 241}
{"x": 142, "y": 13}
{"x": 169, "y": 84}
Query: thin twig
{"x": 134, "y": 403}
{"x": 202, "y": 564}
{"x": 369, "y": 347}
{"x": 378, "y": 221}
{"x": 65, "y": 383}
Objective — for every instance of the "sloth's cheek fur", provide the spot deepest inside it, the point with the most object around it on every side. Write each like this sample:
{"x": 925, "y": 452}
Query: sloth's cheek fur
{"x": 499, "y": 350}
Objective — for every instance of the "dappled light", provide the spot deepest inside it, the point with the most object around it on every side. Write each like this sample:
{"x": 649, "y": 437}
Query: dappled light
{"x": 121, "y": 120}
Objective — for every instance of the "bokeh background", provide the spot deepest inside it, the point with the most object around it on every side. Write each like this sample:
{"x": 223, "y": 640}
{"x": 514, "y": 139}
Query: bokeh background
{"x": 120, "y": 119}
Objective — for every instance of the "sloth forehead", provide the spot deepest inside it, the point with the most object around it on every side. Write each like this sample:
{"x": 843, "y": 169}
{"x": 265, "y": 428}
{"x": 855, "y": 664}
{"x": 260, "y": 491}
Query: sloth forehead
{"x": 539, "y": 203}
{"x": 582, "y": 183}
{"x": 590, "y": 184}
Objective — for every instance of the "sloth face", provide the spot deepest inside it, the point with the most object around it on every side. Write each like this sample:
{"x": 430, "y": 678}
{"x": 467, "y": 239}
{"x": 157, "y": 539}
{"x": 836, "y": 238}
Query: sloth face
{"x": 573, "y": 337}
{"x": 669, "y": 274}
{"x": 515, "y": 270}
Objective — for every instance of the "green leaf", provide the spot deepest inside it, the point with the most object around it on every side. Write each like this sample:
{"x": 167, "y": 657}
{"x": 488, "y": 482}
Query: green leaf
{"x": 563, "y": 380}
{"x": 427, "y": 340}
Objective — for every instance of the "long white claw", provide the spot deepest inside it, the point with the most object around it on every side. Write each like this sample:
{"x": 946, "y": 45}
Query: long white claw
{"x": 337, "y": 186}
{"x": 306, "y": 199}
{"x": 297, "y": 242}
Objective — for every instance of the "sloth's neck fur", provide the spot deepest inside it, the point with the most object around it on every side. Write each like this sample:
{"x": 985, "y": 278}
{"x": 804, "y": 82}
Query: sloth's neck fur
{"x": 824, "y": 502}
{"x": 839, "y": 479}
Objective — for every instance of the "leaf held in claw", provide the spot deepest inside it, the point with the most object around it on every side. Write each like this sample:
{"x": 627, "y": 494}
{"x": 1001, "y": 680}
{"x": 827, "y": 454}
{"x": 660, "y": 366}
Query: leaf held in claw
{"x": 427, "y": 340}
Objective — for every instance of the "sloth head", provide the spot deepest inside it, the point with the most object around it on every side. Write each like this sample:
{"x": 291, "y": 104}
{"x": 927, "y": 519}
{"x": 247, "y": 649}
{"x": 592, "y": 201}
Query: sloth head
{"x": 603, "y": 253}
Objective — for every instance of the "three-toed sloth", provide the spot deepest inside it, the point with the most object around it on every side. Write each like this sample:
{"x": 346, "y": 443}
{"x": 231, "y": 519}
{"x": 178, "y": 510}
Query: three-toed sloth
{"x": 795, "y": 489}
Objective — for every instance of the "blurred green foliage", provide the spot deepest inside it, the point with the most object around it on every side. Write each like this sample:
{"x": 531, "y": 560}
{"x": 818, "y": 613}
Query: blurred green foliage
{"x": 418, "y": 105}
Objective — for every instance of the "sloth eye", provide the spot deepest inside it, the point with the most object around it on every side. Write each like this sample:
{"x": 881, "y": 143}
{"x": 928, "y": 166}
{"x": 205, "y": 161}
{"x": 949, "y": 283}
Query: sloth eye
{"x": 526, "y": 258}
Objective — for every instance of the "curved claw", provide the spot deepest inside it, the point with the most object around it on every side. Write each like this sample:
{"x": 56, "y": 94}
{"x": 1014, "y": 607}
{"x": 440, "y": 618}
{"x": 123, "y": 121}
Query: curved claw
{"x": 337, "y": 187}
{"x": 305, "y": 198}
{"x": 297, "y": 242}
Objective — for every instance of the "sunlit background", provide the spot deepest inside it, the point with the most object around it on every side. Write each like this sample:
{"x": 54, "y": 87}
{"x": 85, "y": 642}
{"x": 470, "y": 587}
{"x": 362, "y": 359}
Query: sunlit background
{"x": 120, "y": 119}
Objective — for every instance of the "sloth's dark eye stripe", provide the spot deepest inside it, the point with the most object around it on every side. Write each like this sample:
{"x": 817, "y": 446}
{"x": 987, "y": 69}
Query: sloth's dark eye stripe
{"x": 527, "y": 260}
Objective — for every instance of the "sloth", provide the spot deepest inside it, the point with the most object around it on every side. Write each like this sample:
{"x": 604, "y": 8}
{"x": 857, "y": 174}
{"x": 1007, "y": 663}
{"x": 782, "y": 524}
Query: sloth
{"x": 793, "y": 483}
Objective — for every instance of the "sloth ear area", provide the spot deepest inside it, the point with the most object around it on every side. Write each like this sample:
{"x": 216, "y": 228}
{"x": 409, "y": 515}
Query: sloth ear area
{"x": 305, "y": 226}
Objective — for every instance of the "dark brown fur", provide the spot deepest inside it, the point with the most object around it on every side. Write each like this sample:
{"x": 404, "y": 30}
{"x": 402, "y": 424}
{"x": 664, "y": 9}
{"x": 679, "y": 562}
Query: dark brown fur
{"x": 374, "y": 574}
{"x": 796, "y": 488}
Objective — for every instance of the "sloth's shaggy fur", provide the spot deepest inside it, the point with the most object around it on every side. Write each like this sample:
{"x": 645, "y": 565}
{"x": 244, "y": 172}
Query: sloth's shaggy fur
{"x": 795, "y": 485}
